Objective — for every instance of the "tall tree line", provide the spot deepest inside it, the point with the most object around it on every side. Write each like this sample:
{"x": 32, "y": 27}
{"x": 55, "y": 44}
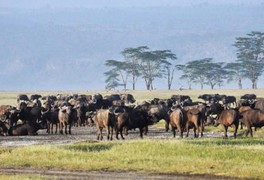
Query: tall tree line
{"x": 142, "y": 62}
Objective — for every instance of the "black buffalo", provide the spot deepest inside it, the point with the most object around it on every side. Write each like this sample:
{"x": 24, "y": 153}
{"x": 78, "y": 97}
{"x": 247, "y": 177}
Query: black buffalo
{"x": 25, "y": 129}
{"x": 131, "y": 118}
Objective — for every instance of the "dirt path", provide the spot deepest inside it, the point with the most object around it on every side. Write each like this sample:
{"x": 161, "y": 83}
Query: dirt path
{"x": 109, "y": 175}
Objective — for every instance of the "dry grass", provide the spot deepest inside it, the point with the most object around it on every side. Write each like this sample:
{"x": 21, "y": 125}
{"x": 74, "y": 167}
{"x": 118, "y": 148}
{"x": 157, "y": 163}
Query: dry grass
{"x": 9, "y": 98}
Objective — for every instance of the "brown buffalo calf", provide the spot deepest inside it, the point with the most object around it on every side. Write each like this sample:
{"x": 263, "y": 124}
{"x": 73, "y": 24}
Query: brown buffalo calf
{"x": 228, "y": 118}
{"x": 104, "y": 118}
{"x": 64, "y": 119}
{"x": 252, "y": 118}
{"x": 177, "y": 121}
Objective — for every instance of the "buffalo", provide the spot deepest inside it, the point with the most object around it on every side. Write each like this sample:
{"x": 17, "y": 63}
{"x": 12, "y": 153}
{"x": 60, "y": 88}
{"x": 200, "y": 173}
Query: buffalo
{"x": 158, "y": 112}
{"x": 64, "y": 119}
{"x": 51, "y": 117}
{"x": 105, "y": 118}
{"x": 228, "y": 118}
{"x": 194, "y": 121}
{"x": 25, "y": 129}
{"x": 132, "y": 118}
{"x": 252, "y": 118}
{"x": 177, "y": 121}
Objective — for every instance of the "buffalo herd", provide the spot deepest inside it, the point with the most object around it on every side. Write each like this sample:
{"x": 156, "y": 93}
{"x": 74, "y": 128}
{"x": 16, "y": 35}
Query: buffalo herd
{"x": 120, "y": 113}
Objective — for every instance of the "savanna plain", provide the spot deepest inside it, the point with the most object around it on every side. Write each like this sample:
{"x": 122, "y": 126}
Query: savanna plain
{"x": 208, "y": 157}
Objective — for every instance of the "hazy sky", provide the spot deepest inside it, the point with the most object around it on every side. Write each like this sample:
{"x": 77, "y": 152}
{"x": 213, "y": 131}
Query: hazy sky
{"x": 115, "y": 3}
{"x": 45, "y": 36}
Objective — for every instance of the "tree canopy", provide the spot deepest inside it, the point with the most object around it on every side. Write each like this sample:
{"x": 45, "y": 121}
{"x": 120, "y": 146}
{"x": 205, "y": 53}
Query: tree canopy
{"x": 142, "y": 62}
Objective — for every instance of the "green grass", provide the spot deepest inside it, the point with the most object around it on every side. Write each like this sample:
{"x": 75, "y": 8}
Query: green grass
{"x": 21, "y": 177}
{"x": 242, "y": 157}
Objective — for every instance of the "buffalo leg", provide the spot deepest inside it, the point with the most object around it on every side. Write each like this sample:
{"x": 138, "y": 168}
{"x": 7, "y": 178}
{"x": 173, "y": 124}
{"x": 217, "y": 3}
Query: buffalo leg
{"x": 70, "y": 128}
{"x": 100, "y": 134}
{"x": 167, "y": 126}
{"x": 121, "y": 133}
{"x": 65, "y": 128}
{"x": 225, "y": 131}
{"x": 195, "y": 131}
{"x": 181, "y": 132}
{"x": 141, "y": 132}
{"x": 173, "y": 131}
{"x": 117, "y": 131}
{"x": 126, "y": 131}
{"x": 61, "y": 128}
{"x": 235, "y": 129}
{"x": 202, "y": 129}
{"x": 108, "y": 132}
{"x": 241, "y": 125}
{"x": 56, "y": 126}
{"x": 251, "y": 132}
{"x": 48, "y": 128}
{"x": 111, "y": 133}
{"x": 145, "y": 130}
{"x": 187, "y": 131}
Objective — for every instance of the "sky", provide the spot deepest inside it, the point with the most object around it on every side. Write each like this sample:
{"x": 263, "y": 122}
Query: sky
{"x": 153, "y": 42}
{"x": 116, "y": 3}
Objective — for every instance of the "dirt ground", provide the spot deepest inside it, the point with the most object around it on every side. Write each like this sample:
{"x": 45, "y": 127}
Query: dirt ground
{"x": 89, "y": 134}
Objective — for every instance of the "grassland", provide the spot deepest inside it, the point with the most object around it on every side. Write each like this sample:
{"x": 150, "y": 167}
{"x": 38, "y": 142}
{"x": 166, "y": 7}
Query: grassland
{"x": 7, "y": 97}
{"x": 242, "y": 157}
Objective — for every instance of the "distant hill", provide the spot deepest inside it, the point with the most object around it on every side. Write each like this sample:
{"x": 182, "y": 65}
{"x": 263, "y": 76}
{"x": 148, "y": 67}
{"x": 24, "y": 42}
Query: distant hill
{"x": 65, "y": 49}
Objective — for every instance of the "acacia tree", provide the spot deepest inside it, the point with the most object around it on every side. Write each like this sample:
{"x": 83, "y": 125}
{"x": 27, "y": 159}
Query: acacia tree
{"x": 203, "y": 71}
{"x": 168, "y": 67}
{"x": 187, "y": 74}
{"x": 119, "y": 67}
{"x": 153, "y": 64}
{"x": 149, "y": 67}
{"x": 215, "y": 74}
{"x": 112, "y": 80}
{"x": 198, "y": 69}
{"x": 250, "y": 53}
{"x": 132, "y": 56}
{"x": 235, "y": 72}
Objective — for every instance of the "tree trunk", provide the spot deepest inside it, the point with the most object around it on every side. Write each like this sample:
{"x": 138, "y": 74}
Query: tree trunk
{"x": 201, "y": 85}
{"x": 147, "y": 84}
{"x": 169, "y": 79}
{"x": 134, "y": 80}
{"x": 254, "y": 84}
{"x": 134, "y": 83}
{"x": 239, "y": 83}
{"x": 125, "y": 86}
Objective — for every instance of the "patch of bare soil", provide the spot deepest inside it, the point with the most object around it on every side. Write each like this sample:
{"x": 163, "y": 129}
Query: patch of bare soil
{"x": 85, "y": 134}
{"x": 109, "y": 175}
